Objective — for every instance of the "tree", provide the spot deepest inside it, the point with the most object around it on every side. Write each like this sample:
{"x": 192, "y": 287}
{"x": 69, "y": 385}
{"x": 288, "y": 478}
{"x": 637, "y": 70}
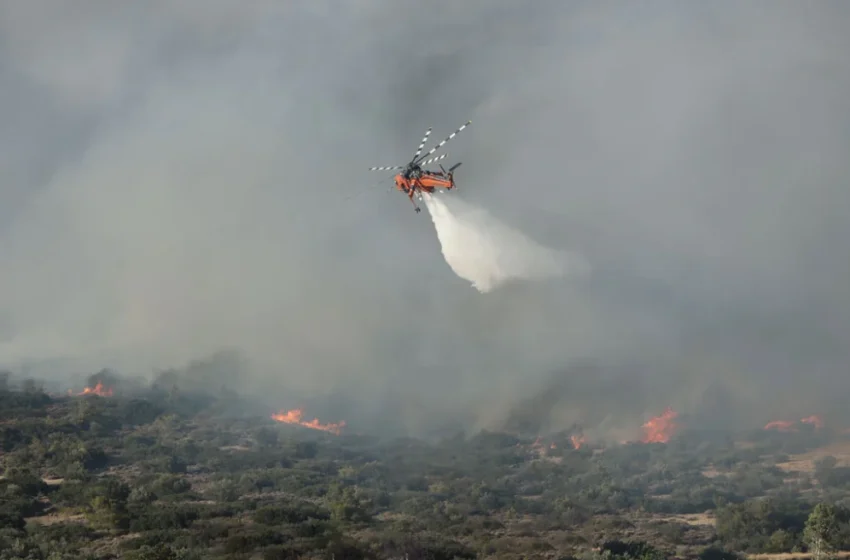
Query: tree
{"x": 159, "y": 551}
{"x": 27, "y": 480}
{"x": 266, "y": 437}
{"x": 820, "y": 531}
{"x": 639, "y": 550}
{"x": 108, "y": 509}
{"x": 345, "y": 506}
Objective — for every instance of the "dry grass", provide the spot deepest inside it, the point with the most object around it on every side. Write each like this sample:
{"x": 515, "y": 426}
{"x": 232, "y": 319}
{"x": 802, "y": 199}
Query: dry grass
{"x": 692, "y": 519}
{"x": 235, "y": 448}
{"x": 805, "y": 462}
{"x": 57, "y": 517}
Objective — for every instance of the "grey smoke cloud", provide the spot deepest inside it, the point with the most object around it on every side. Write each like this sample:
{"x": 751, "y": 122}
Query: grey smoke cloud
{"x": 175, "y": 174}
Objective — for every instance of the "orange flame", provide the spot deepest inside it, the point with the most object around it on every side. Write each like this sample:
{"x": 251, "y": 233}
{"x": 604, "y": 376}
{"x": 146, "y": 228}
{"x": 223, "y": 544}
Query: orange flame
{"x": 789, "y": 426}
{"x": 781, "y": 426}
{"x": 814, "y": 420}
{"x": 577, "y": 441}
{"x": 540, "y": 448}
{"x": 660, "y": 428}
{"x": 294, "y": 417}
{"x": 98, "y": 390}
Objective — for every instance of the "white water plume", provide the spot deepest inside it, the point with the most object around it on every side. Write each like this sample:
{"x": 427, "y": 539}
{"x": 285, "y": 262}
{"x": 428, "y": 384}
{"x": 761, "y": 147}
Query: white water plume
{"x": 487, "y": 253}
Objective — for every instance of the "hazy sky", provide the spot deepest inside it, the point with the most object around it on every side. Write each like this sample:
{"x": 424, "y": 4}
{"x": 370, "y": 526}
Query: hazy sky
{"x": 174, "y": 176}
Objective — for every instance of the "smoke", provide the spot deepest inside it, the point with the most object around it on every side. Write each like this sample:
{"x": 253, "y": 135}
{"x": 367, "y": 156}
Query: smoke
{"x": 488, "y": 253}
{"x": 175, "y": 178}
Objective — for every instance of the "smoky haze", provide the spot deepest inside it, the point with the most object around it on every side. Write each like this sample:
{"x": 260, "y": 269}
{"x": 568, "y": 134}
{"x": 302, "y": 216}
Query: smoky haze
{"x": 175, "y": 178}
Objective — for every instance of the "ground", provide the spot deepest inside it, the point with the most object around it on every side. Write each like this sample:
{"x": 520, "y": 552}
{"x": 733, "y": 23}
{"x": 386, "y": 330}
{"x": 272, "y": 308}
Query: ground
{"x": 151, "y": 475}
{"x": 805, "y": 462}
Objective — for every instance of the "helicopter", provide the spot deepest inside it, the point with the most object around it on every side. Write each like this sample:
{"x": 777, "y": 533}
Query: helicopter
{"x": 414, "y": 180}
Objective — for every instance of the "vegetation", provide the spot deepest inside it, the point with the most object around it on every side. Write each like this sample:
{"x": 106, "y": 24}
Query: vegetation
{"x": 165, "y": 476}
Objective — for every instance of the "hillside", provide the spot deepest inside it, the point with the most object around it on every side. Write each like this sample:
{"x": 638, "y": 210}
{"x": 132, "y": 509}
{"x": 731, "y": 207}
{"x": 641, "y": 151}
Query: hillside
{"x": 161, "y": 475}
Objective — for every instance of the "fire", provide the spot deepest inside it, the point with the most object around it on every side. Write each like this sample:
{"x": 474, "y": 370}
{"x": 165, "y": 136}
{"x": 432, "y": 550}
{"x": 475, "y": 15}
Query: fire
{"x": 295, "y": 417}
{"x": 98, "y": 390}
{"x": 814, "y": 420}
{"x": 660, "y": 428}
{"x": 790, "y": 426}
{"x": 540, "y": 447}
{"x": 781, "y": 426}
{"x": 577, "y": 441}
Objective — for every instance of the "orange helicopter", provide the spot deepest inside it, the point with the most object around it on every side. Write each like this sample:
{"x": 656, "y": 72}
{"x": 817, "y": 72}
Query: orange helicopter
{"x": 414, "y": 180}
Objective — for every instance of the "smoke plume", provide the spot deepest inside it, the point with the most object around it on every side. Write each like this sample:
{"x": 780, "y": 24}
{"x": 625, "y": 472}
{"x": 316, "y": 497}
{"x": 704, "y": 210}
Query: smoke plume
{"x": 176, "y": 174}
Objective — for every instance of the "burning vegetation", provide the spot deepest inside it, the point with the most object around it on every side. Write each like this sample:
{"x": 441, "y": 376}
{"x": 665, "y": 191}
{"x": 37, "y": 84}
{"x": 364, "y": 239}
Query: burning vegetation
{"x": 577, "y": 440}
{"x": 660, "y": 429}
{"x": 99, "y": 389}
{"x": 295, "y": 416}
{"x": 794, "y": 426}
{"x": 228, "y": 488}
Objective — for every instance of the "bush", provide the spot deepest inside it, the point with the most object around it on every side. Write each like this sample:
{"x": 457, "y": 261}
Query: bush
{"x": 153, "y": 518}
{"x": 277, "y": 515}
{"x": 249, "y": 540}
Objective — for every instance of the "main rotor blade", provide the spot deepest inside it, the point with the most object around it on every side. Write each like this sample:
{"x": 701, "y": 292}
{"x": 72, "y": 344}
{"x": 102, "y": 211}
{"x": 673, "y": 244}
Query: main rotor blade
{"x": 449, "y": 137}
{"x": 386, "y": 168}
{"x": 433, "y": 159}
{"x": 422, "y": 145}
